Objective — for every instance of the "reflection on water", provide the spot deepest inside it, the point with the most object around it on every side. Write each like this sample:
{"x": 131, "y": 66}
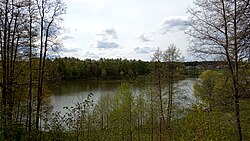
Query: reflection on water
{"x": 71, "y": 92}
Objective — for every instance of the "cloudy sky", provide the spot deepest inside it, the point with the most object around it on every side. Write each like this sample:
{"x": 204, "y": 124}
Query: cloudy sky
{"x": 130, "y": 29}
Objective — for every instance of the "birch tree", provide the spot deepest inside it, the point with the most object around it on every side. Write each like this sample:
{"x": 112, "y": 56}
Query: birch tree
{"x": 49, "y": 15}
{"x": 221, "y": 28}
{"x": 171, "y": 57}
{"x": 158, "y": 81}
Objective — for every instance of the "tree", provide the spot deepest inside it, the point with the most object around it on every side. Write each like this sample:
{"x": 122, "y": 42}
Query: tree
{"x": 171, "y": 57}
{"x": 18, "y": 42}
{"x": 165, "y": 71}
{"x": 221, "y": 28}
{"x": 10, "y": 41}
{"x": 158, "y": 81}
{"x": 204, "y": 89}
{"x": 215, "y": 91}
{"x": 121, "y": 123}
{"x": 49, "y": 16}
{"x": 32, "y": 34}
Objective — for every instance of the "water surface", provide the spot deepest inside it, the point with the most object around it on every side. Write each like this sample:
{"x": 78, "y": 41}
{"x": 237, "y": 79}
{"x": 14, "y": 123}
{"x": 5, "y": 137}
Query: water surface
{"x": 71, "y": 92}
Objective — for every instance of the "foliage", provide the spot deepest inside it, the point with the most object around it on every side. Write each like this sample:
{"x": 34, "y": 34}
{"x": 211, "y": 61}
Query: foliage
{"x": 200, "y": 124}
{"x": 28, "y": 34}
{"x": 225, "y": 37}
{"x": 73, "y": 68}
{"x": 28, "y": 31}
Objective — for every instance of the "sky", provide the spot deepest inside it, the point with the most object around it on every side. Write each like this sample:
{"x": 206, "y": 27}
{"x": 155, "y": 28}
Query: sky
{"x": 127, "y": 29}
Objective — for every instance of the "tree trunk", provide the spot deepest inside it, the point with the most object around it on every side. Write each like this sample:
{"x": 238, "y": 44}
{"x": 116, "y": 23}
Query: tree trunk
{"x": 236, "y": 78}
{"x": 152, "y": 113}
{"x": 30, "y": 69}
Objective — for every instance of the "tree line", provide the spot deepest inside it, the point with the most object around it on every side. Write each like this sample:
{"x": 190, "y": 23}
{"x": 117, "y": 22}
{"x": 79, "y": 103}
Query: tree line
{"x": 71, "y": 68}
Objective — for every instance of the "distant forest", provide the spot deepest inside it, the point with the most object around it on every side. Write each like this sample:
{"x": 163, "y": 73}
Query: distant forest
{"x": 74, "y": 68}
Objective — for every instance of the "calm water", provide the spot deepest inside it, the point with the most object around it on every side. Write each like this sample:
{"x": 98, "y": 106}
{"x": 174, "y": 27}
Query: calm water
{"x": 70, "y": 92}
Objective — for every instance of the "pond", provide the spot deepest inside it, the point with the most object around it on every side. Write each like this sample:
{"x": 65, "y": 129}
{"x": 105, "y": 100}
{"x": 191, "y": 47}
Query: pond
{"x": 71, "y": 92}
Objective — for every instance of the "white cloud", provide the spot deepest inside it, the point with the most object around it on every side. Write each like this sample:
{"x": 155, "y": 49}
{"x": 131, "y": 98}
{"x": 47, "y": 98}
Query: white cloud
{"x": 108, "y": 34}
{"x": 64, "y": 49}
{"x": 99, "y": 26}
{"x": 107, "y": 39}
{"x": 106, "y": 45}
{"x": 111, "y": 32}
{"x": 144, "y": 38}
{"x": 174, "y": 24}
{"x": 144, "y": 49}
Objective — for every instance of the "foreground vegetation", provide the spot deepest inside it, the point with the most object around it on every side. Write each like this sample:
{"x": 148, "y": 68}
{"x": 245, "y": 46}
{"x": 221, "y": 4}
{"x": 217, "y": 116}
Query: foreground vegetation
{"x": 160, "y": 110}
{"x": 137, "y": 116}
{"x": 220, "y": 110}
